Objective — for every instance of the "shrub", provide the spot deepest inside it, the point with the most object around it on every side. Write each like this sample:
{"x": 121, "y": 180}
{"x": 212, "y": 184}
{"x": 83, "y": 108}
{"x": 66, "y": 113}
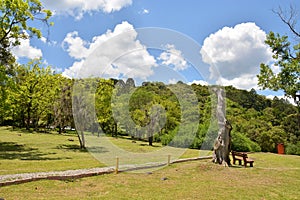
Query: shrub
{"x": 242, "y": 143}
{"x": 293, "y": 149}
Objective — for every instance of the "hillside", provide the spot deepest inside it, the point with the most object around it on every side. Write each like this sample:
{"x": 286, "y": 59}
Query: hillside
{"x": 176, "y": 114}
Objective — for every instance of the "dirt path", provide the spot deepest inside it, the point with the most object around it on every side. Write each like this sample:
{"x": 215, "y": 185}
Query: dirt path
{"x": 55, "y": 175}
{"x": 11, "y": 179}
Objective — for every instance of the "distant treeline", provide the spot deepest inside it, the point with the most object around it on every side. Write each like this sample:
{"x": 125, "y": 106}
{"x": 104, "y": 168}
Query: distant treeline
{"x": 175, "y": 114}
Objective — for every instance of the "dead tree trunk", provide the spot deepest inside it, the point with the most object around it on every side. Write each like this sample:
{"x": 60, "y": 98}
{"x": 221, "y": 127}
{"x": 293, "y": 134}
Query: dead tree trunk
{"x": 222, "y": 146}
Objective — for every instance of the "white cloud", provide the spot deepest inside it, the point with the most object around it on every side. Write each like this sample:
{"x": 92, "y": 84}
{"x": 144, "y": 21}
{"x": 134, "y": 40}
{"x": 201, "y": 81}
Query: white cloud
{"x": 172, "y": 81}
{"x": 114, "y": 54}
{"x": 144, "y": 11}
{"x": 198, "y": 82}
{"x": 25, "y": 50}
{"x": 173, "y": 57}
{"x": 75, "y": 46}
{"x": 244, "y": 81}
{"x": 235, "y": 54}
{"x": 44, "y": 40}
{"x": 77, "y": 8}
{"x": 290, "y": 100}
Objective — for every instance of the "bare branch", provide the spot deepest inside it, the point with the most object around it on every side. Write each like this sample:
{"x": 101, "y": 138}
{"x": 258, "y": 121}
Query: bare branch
{"x": 289, "y": 18}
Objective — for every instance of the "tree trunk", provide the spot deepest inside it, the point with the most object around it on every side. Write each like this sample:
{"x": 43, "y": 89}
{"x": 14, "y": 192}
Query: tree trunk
{"x": 59, "y": 129}
{"x": 150, "y": 139}
{"x": 222, "y": 146}
{"x": 28, "y": 118}
{"x": 81, "y": 139}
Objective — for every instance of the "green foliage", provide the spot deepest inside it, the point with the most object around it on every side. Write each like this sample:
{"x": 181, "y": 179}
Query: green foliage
{"x": 247, "y": 99}
{"x": 241, "y": 143}
{"x": 32, "y": 94}
{"x": 288, "y": 59}
{"x": 293, "y": 149}
{"x": 174, "y": 114}
{"x": 14, "y": 18}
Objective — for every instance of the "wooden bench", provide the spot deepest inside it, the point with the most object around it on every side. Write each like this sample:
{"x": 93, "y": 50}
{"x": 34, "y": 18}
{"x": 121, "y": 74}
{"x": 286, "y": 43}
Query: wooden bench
{"x": 240, "y": 156}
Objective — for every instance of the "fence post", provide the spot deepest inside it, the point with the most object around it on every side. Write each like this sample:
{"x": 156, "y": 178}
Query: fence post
{"x": 169, "y": 159}
{"x": 117, "y": 165}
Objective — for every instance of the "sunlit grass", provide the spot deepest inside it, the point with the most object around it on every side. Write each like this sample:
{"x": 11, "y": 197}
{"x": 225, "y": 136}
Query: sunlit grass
{"x": 22, "y": 152}
{"x": 190, "y": 180}
{"x": 35, "y": 152}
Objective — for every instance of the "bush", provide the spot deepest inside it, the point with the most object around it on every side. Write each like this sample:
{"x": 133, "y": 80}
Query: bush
{"x": 242, "y": 143}
{"x": 293, "y": 149}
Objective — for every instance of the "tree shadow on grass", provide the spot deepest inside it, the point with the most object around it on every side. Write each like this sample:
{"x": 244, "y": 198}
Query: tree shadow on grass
{"x": 149, "y": 145}
{"x": 76, "y": 148}
{"x": 96, "y": 149}
{"x": 71, "y": 147}
{"x": 12, "y": 150}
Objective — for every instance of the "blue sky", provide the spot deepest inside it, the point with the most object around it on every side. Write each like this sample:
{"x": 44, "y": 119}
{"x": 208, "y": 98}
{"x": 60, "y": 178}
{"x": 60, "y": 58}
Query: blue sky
{"x": 206, "y": 41}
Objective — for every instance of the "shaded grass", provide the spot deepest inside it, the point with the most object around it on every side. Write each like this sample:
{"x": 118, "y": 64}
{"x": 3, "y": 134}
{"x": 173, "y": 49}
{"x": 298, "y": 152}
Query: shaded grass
{"x": 22, "y": 152}
{"x": 191, "y": 180}
{"x": 141, "y": 146}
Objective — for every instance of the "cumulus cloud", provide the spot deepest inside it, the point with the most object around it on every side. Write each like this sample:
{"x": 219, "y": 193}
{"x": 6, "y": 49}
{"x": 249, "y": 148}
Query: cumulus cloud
{"x": 25, "y": 50}
{"x": 235, "y": 54}
{"x": 244, "y": 81}
{"x": 75, "y": 46}
{"x": 290, "y": 100}
{"x": 172, "y": 81}
{"x": 77, "y": 8}
{"x": 173, "y": 57}
{"x": 198, "y": 82}
{"x": 114, "y": 54}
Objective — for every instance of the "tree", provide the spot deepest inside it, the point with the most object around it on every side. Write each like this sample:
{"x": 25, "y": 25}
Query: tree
{"x": 83, "y": 107}
{"x": 286, "y": 56}
{"x": 32, "y": 95}
{"x": 120, "y": 106}
{"x": 103, "y": 97}
{"x": 62, "y": 107}
{"x": 14, "y": 15}
{"x": 222, "y": 146}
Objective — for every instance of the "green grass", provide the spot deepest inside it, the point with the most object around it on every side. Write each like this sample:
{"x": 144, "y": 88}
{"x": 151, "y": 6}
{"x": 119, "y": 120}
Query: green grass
{"x": 22, "y": 152}
{"x": 272, "y": 177}
{"x": 140, "y": 146}
{"x": 190, "y": 180}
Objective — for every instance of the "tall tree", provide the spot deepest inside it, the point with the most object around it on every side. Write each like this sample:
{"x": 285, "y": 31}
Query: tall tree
{"x": 286, "y": 56}
{"x": 33, "y": 94}
{"x": 14, "y": 18}
{"x": 62, "y": 107}
{"x": 83, "y": 107}
{"x": 103, "y": 109}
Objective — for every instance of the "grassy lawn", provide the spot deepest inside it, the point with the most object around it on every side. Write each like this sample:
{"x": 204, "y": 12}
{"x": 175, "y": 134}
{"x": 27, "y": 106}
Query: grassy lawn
{"x": 22, "y": 152}
{"x": 35, "y": 152}
{"x": 191, "y": 180}
{"x": 272, "y": 177}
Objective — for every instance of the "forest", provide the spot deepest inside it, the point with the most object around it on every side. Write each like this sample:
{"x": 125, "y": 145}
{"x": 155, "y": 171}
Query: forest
{"x": 35, "y": 98}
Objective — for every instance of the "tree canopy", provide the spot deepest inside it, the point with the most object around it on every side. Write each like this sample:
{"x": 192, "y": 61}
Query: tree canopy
{"x": 14, "y": 17}
{"x": 286, "y": 56}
